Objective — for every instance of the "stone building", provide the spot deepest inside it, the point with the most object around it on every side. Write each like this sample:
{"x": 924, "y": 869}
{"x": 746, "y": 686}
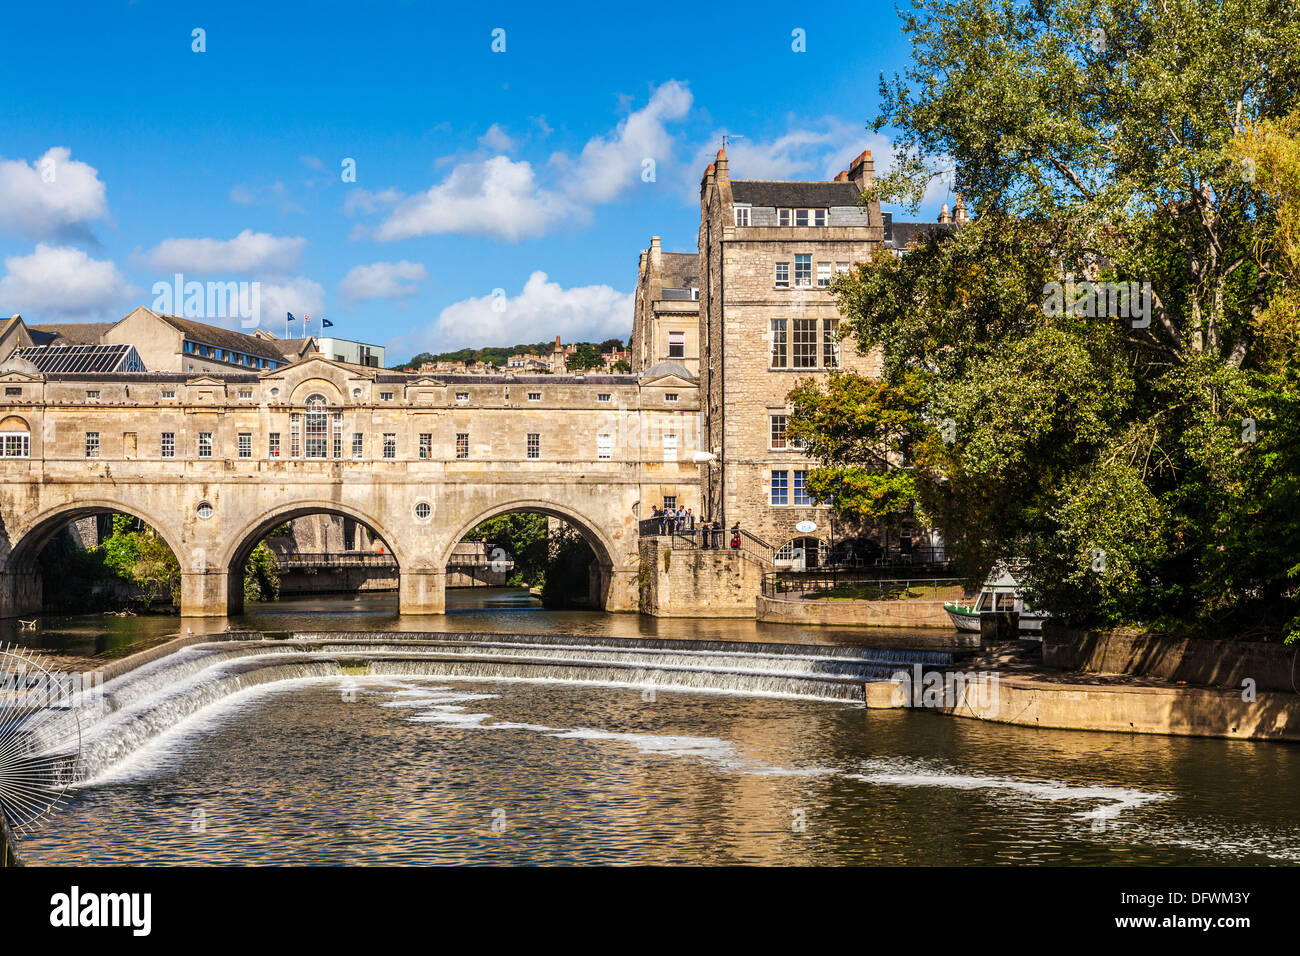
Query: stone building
{"x": 666, "y": 313}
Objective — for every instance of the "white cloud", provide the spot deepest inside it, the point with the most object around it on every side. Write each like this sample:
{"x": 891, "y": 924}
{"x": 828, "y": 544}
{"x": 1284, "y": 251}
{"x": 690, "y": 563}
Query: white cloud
{"x": 299, "y": 295}
{"x": 608, "y": 166}
{"x": 62, "y": 282}
{"x": 364, "y": 201}
{"x": 541, "y": 311}
{"x": 381, "y": 280}
{"x": 497, "y": 139}
{"x": 56, "y": 196}
{"x": 497, "y": 197}
{"x": 247, "y": 252}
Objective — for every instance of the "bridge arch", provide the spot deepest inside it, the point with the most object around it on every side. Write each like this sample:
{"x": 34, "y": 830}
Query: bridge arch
{"x": 590, "y": 530}
{"x": 20, "y": 584}
{"x": 242, "y": 542}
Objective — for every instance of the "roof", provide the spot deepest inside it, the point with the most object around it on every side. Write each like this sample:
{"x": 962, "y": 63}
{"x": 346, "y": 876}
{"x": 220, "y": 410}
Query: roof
{"x": 89, "y": 359}
{"x": 72, "y": 333}
{"x": 223, "y": 338}
{"x": 662, "y": 369}
{"x": 681, "y": 270}
{"x": 793, "y": 195}
{"x": 397, "y": 378}
{"x": 899, "y": 235}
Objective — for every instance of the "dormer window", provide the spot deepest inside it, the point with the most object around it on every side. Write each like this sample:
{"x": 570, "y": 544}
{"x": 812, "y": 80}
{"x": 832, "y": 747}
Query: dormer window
{"x": 742, "y": 215}
{"x": 801, "y": 217}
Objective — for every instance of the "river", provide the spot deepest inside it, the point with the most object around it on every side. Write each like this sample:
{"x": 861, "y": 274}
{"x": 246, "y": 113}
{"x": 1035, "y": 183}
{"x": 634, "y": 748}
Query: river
{"x": 415, "y": 769}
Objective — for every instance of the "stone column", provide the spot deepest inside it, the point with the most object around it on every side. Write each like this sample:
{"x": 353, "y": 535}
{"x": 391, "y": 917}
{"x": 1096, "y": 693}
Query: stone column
{"x": 422, "y": 591}
{"x": 21, "y": 593}
{"x": 620, "y": 589}
{"x": 204, "y": 593}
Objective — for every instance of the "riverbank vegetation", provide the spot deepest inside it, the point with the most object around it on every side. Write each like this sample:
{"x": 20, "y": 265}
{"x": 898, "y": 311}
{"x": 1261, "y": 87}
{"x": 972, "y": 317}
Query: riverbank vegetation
{"x": 1142, "y": 450}
{"x": 556, "y": 561}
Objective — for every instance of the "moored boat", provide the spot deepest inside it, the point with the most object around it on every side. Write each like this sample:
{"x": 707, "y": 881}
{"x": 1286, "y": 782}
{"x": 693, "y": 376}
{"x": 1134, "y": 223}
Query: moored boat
{"x": 1001, "y": 593}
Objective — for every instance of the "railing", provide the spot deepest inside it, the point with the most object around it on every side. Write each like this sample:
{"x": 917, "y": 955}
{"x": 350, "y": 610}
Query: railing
{"x": 853, "y": 584}
{"x": 335, "y": 559}
{"x": 719, "y": 539}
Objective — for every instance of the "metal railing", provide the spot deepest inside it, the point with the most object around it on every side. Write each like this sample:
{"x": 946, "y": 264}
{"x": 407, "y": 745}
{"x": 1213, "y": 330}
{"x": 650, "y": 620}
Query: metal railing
{"x": 700, "y": 538}
{"x": 870, "y": 587}
{"x": 335, "y": 559}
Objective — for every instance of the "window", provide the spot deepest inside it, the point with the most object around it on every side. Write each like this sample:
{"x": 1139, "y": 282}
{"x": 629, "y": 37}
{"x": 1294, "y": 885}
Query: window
{"x": 823, "y": 274}
{"x": 805, "y": 343}
{"x": 670, "y": 447}
{"x": 676, "y": 344}
{"x": 204, "y": 510}
{"x": 779, "y": 359}
{"x": 671, "y": 396}
{"x": 462, "y": 444}
{"x": 830, "y": 343}
{"x": 358, "y": 445}
{"x": 534, "y": 445}
{"x": 12, "y": 391}
{"x": 670, "y": 501}
{"x": 336, "y": 434}
{"x": 423, "y": 510}
{"x": 603, "y": 396}
{"x": 295, "y": 435}
{"x": 801, "y": 217}
{"x": 783, "y": 275}
{"x": 205, "y": 444}
{"x": 801, "y": 488}
{"x": 841, "y": 268}
{"x": 778, "y": 432}
{"x": 15, "y": 445}
{"x": 426, "y": 444}
{"x": 168, "y": 445}
{"x": 245, "y": 394}
{"x": 604, "y": 446}
{"x": 316, "y": 427}
{"x": 385, "y": 396}
{"x": 802, "y": 271}
{"x": 169, "y": 393}
{"x": 462, "y": 396}
{"x": 742, "y": 215}
{"x": 245, "y": 440}
{"x": 534, "y": 396}
{"x": 390, "y": 444}
{"x": 780, "y": 489}
{"x": 92, "y": 394}
{"x": 273, "y": 445}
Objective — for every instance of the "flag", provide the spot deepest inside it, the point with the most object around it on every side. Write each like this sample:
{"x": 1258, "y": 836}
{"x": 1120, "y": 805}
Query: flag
{"x": 326, "y": 324}
{"x": 291, "y": 318}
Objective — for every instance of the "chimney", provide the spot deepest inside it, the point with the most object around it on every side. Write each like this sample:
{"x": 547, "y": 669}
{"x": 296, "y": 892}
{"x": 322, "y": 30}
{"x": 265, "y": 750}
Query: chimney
{"x": 862, "y": 171}
{"x": 944, "y": 214}
{"x": 656, "y": 256}
{"x": 842, "y": 176}
{"x": 720, "y": 164}
{"x": 959, "y": 211}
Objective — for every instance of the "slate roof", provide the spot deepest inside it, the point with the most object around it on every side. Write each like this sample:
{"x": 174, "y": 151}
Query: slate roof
{"x": 71, "y": 333}
{"x": 793, "y": 195}
{"x": 681, "y": 269}
{"x": 223, "y": 338}
{"x": 660, "y": 369}
{"x": 899, "y": 235}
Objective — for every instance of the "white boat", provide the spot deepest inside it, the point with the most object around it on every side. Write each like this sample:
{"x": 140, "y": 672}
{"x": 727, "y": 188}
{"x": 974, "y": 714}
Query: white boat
{"x": 1001, "y": 592}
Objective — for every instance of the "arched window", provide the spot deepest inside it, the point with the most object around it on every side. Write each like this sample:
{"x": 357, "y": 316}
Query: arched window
{"x": 15, "y": 438}
{"x": 316, "y": 430}
{"x": 808, "y": 552}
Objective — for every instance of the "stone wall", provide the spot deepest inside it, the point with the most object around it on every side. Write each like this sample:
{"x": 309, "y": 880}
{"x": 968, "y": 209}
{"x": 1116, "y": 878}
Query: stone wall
{"x": 1212, "y": 663}
{"x": 910, "y": 613}
{"x": 692, "y": 582}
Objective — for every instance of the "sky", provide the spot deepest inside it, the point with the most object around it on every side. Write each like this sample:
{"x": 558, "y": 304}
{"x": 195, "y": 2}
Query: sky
{"x": 425, "y": 176}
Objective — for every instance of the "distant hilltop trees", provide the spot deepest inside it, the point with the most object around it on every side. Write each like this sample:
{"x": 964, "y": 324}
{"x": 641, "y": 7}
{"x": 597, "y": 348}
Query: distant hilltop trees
{"x": 575, "y": 357}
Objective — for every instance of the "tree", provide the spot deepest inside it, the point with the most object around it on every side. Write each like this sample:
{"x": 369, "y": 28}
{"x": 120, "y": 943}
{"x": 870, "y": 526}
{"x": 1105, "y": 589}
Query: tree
{"x": 523, "y": 537}
{"x": 1145, "y": 461}
{"x": 584, "y": 356}
{"x": 622, "y": 366}
{"x": 261, "y": 575}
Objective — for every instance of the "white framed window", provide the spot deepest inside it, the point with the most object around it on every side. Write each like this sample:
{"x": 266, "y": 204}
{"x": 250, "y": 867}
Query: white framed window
{"x": 169, "y": 393}
{"x": 779, "y": 489}
{"x": 604, "y": 446}
{"x": 426, "y": 444}
{"x": 358, "y": 445}
{"x": 841, "y": 268}
{"x": 830, "y": 343}
{"x": 804, "y": 341}
{"x": 462, "y": 444}
{"x": 15, "y": 445}
{"x": 801, "y": 496}
{"x": 92, "y": 394}
{"x": 385, "y": 396}
{"x": 534, "y": 445}
{"x": 534, "y": 396}
{"x": 670, "y": 502}
{"x": 802, "y": 271}
{"x": 245, "y": 444}
{"x": 603, "y": 396}
{"x": 823, "y": 274}
{"x": 801, "y": 217}
{"x": 742, "y": 215}
{"x": 336, "y": 434}
{"x": 273, "y": 445}
{"x": 167, "y": 445}
{"x": 423, "y": 510}
{"x": 462, "y": 396}
{"x": 671, "y": 396}
{"x": 390, "y": 444}
{"x": 92, "y": 444}
{"x": 245, "y": 394}
{"x": 779, "y": 344}
{"x": 316, "y": 426}
{"x": 782, "y": 280}
{"x": 776, "y": 430}
{"x": 676, "y": 344}
{"x": 205, "y": 444}
{"x": 670, "y": 447}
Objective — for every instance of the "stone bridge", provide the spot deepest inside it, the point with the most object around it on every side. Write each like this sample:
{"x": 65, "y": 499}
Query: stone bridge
{"x": 214, "y": 464}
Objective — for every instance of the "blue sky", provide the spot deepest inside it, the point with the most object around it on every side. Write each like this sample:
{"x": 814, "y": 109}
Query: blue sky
{"x": 126, "y": 156}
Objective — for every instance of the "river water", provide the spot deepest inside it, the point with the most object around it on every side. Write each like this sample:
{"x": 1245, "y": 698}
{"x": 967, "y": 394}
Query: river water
{"x": 413, "y": 769}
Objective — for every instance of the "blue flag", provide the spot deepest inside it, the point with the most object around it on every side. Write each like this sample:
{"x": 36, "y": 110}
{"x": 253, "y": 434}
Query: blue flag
{"x": 326, "y": 324}
{"x": 291, "y": 318}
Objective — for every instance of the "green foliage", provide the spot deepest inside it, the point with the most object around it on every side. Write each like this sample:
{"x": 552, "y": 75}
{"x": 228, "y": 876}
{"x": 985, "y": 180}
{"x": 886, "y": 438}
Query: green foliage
{"x": 1149, "y": 471}
{"x": 261, "y": 575}
{"x": 584, "y": 356}
{"x": 621, "y": 366}
{"x": 523, "y": 537}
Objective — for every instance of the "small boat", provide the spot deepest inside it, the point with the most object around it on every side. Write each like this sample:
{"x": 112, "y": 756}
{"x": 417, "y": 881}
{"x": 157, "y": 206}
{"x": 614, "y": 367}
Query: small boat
{"x": 1001, "y": 592}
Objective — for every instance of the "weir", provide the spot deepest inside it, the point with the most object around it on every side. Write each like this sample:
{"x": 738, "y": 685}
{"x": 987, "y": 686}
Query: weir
{"x": 138, "y": 705}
